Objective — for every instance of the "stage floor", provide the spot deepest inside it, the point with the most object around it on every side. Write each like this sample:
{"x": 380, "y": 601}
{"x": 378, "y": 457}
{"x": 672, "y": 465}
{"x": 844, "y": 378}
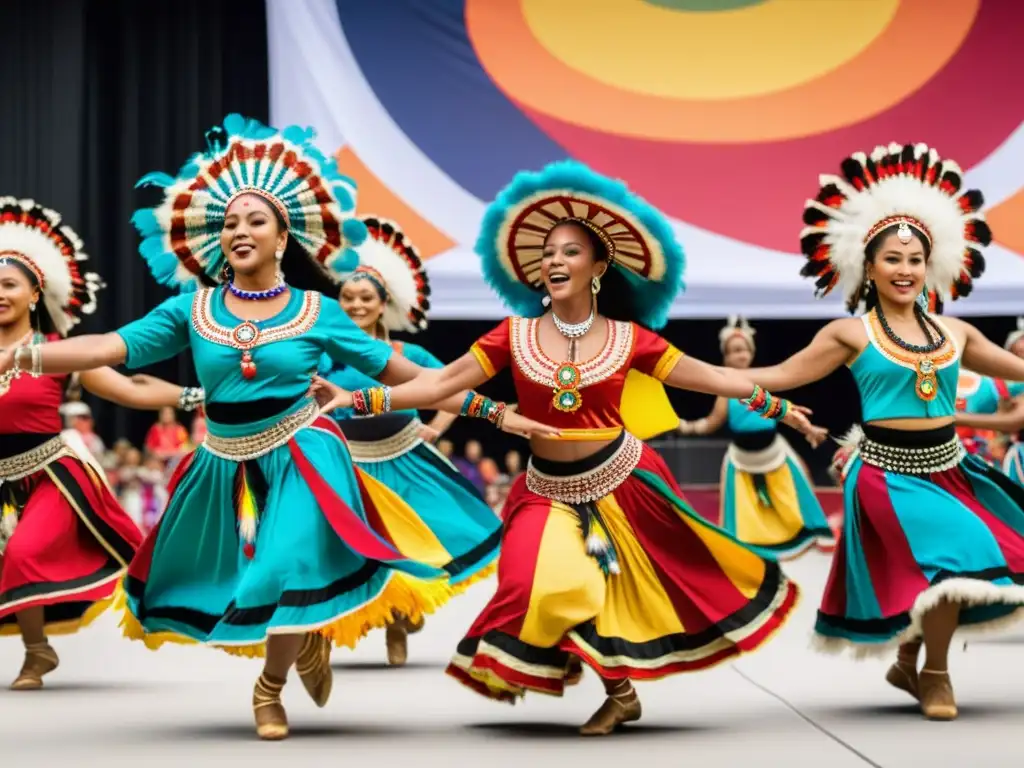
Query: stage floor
{"x": 113, "y": 703}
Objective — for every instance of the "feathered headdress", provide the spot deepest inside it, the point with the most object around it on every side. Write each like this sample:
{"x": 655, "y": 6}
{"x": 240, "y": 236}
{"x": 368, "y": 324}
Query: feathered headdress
{"x": 736, "y": 326}
{"x": 638, "y": 237}
{"x": 34, "y": 237}
{"x": 909, "y": 186}
{"x": 391, "y": 261}
{"x": 181, "y": 236}
{"x": 1015, "y": 335}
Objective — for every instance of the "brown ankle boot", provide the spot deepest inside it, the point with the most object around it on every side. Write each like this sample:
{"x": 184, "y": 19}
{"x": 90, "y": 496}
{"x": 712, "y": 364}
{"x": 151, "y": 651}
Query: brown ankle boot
{"x": 397, "y": 643}
{"x": 622, "y": 706}
{"x": 573, "y": 671}
{"x": 314, "y": 667}
{"x": 40, "y": 660}
{"x": 937, "y": 699}
{"x": 267, "y": 709}
{"x": 903, "y": 675}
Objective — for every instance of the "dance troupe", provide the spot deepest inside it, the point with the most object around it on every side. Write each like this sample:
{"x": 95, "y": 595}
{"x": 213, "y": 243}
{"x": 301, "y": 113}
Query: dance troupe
{"x": 317, "y": 509}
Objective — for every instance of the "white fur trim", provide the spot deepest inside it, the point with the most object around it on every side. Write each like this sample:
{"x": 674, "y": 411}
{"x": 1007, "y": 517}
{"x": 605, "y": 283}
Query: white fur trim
{"x": 967, "y": 592}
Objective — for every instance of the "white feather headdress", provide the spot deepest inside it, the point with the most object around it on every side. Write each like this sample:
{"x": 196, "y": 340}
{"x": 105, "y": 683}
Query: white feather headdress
{"x": 736, "y": 325}
{"x": 389, "y": 259}
{"x": 898, "y": 184}
{"x": 34, "y": 237}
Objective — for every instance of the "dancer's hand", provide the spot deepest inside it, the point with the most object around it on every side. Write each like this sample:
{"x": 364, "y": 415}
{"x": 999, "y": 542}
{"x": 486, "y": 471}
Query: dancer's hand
{"x": 329, "y": 395}
{"x": 428, "y": 433}
{"x": 797, "y": 418}
{"x": 516, "y": 424}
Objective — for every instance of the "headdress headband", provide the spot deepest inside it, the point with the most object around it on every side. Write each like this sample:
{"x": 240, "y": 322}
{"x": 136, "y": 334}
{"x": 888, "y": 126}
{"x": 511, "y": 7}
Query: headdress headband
{"x": 638, "y": 237}
{"x": 388, "y": 259}
{"x": 906, "y": 185}
{"x": 736, "y": 326}
{"x": 34, "y": 237}
{"x": 181, "y": 235}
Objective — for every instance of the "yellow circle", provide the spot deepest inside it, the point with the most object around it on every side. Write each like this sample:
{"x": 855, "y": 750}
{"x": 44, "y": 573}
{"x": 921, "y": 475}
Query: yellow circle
{"x": 636, "y": 46}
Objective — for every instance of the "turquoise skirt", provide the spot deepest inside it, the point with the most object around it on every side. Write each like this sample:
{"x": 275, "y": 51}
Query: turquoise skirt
{"x": 912, "y": 539}
{"x": 297, "y": 539}
{"x": 389, "y": 449}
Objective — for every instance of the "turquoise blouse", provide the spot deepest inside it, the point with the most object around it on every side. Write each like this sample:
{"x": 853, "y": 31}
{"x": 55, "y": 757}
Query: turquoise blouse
{"x": 887, "y": 379}
{"x": 349, "y": 377}
{"x": 981, "y": 395}
{"x": 288, "y": 351}
{"x": 742, "y": 420}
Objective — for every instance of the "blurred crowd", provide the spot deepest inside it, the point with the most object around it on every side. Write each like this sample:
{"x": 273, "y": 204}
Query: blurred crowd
{"x": 492, "y": 479}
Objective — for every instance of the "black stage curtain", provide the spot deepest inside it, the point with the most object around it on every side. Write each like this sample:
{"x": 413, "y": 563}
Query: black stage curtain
{"x": 95, "y": 95}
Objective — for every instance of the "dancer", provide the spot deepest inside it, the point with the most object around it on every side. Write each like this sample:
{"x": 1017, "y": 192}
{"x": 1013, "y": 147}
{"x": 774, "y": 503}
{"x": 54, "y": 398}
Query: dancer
{"x": 269, "y": 531}
{"x": 767, "y": 499}
{"x": 984, "y": 417}
{"x": 388, "y": 292}
{"x": 602, "y": 560}
{"x": 932, "y": 539}
{"x": 64, "y": 539}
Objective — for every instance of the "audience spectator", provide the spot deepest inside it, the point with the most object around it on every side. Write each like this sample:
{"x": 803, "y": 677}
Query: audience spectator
{"x": 469, "y": 464}
{"x": 167, "y": 438}
{"x": 513, "y": 465}
{"x": 81, "y": 421}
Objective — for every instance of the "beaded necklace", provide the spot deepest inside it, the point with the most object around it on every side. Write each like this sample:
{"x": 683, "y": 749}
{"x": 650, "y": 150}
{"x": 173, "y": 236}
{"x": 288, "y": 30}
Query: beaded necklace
{"x": 927, "y": 384}
{"x": 567, "y": 397}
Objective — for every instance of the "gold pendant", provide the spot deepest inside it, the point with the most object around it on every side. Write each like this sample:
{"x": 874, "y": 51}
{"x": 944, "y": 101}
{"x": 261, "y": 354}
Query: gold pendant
{"x": 927, "y": 386}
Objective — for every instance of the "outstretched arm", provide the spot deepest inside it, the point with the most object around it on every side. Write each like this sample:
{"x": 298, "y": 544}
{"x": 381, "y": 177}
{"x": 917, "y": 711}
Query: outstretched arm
{"x": 82, "y": 353}
{"x": 441, "y": 388}
{"x": 710, "y": 423}
{"x": 140, "y": 392}
{"x": 831, "y": 347}
{"x": 982, "y": 356}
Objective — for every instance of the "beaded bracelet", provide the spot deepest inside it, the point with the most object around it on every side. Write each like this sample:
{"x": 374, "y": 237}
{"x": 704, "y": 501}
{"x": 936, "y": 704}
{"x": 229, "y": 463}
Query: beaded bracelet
{"x": 763, "y": 403}
{"x": 371, "y": 401}
{"x": 476, "y": 406}
{"x": 191, "y": 398}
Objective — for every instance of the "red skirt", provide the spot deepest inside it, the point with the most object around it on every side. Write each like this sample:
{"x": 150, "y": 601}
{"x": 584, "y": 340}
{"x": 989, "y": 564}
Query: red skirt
{"x": 71, "y": 545}
{"x": 634, "y": 582}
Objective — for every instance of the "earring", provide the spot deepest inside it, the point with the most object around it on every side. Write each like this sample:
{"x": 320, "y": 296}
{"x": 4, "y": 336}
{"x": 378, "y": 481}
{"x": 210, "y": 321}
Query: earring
{"x": 226, "y": 273}
{"x": 32, "y": 306}
{"x": 279, "y": 255}
{"x": 595, "y": 285}
{"x": 545, "y": 301}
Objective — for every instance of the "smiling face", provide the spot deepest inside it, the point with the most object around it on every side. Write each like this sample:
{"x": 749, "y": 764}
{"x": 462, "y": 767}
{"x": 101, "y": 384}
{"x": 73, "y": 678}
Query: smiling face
{"x": 898, "y": 269}
{"x": 738, "y": 353}
{"x": 570, "y": 261}
{"x": 16, "y": 293}
{"x": 361, "y": 300}
{"x": 251, "y": 235}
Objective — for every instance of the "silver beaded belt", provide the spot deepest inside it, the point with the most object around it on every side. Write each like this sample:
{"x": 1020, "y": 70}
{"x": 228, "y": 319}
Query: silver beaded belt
{"x": 253, "y": 446}
{"x": 912, "y": 461}
{"x": 593, "y": 484}
{"x": 385, "y": 449}
{"x": 28, "y": 463}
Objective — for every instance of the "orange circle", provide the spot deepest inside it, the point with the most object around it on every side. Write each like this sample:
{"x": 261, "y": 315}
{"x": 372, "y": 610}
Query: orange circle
{"x": 884, "y": 74}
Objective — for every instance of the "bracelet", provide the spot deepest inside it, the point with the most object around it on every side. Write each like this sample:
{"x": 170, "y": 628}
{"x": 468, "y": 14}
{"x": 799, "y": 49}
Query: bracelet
{"x": 37, "y": 361}
{"x": 371, "y": 401}
{"x": 191, "y": 398}
{"x": 763, "y": 403}
{"x": 496, "y": 414}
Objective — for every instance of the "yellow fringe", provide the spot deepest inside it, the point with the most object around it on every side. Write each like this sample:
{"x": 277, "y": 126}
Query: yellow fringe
{"x": 68, "y": 626}
{"x": 403, "y": 596}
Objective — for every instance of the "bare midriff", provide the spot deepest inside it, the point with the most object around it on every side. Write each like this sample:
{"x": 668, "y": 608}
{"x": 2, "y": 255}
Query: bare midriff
{"x": 913, "y": 425}
{"x": 560, "y": 449}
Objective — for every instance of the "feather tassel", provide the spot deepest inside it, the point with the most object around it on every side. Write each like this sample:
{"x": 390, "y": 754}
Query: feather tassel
{"x": 246, "y": 512}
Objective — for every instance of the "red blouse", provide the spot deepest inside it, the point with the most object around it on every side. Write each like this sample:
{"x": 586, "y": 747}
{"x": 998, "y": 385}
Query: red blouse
{"x": 602, "y": 378}
{"x": 31, "y": 405}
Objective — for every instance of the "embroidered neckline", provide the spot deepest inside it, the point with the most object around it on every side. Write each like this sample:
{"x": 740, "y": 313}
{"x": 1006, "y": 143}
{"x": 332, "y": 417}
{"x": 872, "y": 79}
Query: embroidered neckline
{"x": 943, "y": 357}
{"x": 204, "y": 324}
{"x": 541, "y": 369}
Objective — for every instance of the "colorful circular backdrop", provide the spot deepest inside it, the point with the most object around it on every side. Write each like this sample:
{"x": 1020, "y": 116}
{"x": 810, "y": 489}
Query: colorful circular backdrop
{"x": 720, "y": 112}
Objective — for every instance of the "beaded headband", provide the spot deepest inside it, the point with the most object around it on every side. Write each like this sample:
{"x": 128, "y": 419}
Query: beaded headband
{"x": 26, "y": 262}
{"x": 599, "y": 231}
{"x": 263, "y": 194}
{"x": 903, "y": 232}
{"x": 363, "y": 272}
